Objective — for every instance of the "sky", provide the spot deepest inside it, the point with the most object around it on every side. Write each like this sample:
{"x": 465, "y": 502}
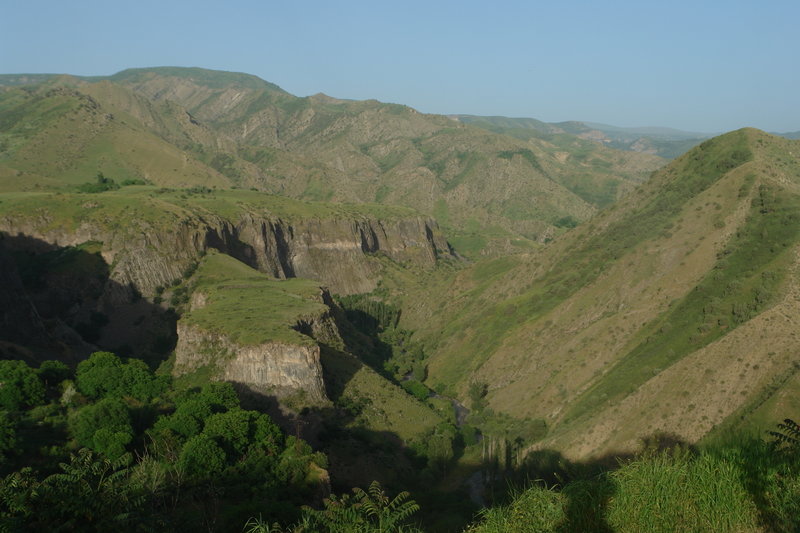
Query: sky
{"x": 707, "y": 66}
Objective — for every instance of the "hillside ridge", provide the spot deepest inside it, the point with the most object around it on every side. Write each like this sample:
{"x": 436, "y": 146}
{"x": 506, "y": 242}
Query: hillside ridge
{"x": 229, "y": 129}
{"x": 574, "y": 334}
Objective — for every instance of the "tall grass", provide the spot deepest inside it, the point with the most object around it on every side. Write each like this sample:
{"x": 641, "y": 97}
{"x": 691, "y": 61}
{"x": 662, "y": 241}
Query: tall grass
{"x": 534, "y": 510}
{"x": 676, "y": 492}
{"x": 747, "y": 487}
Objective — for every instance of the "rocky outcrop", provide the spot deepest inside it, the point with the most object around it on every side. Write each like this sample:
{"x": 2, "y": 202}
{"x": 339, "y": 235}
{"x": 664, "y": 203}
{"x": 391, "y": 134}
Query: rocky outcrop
{"x": 273, "y": 368}
{"x": 278, "y": 369}
{"x": 337, "y": 252}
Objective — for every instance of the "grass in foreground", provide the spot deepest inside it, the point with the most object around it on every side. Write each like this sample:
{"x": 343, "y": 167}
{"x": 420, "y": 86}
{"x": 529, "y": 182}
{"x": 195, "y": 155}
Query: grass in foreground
{"x": 751, "y": 486}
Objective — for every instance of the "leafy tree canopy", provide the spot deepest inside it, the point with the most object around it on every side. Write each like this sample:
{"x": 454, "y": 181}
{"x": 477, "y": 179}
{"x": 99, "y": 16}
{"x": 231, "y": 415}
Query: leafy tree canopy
{"x": 19, "y": 386}
{"x": 105, "y": 374}
{"x": 104, "y": 427}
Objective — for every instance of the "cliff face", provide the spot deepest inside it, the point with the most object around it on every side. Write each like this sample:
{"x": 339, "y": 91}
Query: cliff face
{"x": 279, "y": 368}
{"x": 273, "y": 368}
{"x": 336, "y": 252}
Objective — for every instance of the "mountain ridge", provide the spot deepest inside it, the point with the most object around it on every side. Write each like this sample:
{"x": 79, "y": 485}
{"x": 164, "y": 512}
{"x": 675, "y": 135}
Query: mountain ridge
{"x": 561, "y": 334}
{"x": 316, "y": 148}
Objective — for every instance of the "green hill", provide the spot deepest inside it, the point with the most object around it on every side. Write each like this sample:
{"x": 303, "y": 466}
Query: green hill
{"x": 189, "y": 218}
{"x": 671, "y": 311}
{"x": 177, "y": 126}
{"x": 53, "y": 137}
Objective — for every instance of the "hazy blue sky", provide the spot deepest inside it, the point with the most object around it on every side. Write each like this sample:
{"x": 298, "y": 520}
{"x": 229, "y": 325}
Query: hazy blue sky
{"x": 695, "y": 65}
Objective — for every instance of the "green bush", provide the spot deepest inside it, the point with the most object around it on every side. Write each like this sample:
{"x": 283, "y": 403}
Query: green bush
{"x": 670, "y": 491}
{"x": 673, "y": 492}
{"x": 105, "y": 374}
{"x": 202, "y": 456}
{"x": 104, "y": 427}
{"x": 8, "y": 435}
{"x": 535, "y": 510}
{"x": 416, "y": 389}
{"x": 20, "y": 386}
{"x": 101, "y": 184}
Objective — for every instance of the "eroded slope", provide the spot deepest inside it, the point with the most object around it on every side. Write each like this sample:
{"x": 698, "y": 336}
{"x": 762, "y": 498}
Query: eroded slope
{"x": 639, "y": 321}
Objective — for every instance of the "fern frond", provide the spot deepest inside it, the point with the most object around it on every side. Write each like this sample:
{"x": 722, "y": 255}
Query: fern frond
{"x": 788, "y": 434}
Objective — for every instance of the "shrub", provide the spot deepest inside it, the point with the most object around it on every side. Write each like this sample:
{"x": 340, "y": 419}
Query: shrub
{"x": 19, "y": 386}
{"x": 104, "y": 427}
{"x": 202, "y": 456}
{"x": 105, "y": 374}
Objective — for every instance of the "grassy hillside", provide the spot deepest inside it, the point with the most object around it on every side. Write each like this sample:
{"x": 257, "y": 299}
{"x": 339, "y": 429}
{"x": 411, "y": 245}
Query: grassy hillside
{"x": 644, "y": 319}
{"x": 53, "y": 137}
{"x": 180, "y": 127}
{"x": 133, "y": 208}
{"x": 247, "y": 306}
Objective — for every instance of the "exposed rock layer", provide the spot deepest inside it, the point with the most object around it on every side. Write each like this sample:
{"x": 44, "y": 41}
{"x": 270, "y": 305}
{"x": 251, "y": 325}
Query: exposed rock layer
{"x": 337, "y": 252}
{"x": 274, "y": 368}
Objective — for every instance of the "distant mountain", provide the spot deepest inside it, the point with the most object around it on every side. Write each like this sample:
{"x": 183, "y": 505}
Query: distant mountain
{"x": 664, "y": 142}
{"x": 672, "y": 312}
{"x": 656, "y": 132}
{"x": 214, "y": 79}
{"x": 790, "y": 135}
{"x": 186, "y": 126}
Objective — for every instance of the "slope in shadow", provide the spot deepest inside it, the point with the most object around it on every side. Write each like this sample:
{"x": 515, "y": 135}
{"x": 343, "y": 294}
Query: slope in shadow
{"x": 60, "y": 302}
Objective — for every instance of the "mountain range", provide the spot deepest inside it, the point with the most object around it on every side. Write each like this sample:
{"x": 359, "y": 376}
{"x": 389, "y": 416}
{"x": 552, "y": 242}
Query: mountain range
{"x": 228, "y": 129}
{"x": 472, "y": 289}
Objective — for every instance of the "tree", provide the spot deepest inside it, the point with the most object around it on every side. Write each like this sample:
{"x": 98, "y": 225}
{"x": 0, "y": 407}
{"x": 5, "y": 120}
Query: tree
{"x": 53, "y": 372}
{"x": 106, "y": 374}
{"x": 99, "y": 374}
{"x": 20, "y": 386}
{"x": 477, "y": 395}
{"x": 231, "y": 430}
{"x": 201, "y": 456}
{"x": 137, "y": 381}
{"x": 89, "y": 494}
{"x": 295, "y": 461}
{"x": 267, "y": 434}
{"x": 188, "y": 419}
{"x": 220, "y": 396}
{"x": 8, "y": 435}
{"x": 104, "y": 427}
{"x": 238, "y": 431}
{"x": 440, "y": 450}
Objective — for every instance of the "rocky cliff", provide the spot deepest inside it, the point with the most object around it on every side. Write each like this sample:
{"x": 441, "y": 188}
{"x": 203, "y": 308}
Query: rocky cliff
{"x": 150, "y": 243}
{"x": 258, "y": 333}
{"x": 337, "y": 252}
{"x": 274, "y": 368}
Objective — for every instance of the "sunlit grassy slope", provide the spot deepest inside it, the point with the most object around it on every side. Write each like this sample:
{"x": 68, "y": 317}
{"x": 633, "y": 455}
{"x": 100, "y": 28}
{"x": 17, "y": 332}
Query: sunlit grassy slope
{"x": 127, "y": 208}
{"x": 53, "y": 137}
{"x": 670, "y": 311}
{"x": 183, "y": 127}
{"x": 746, "y": 487}
{"x": 249, "y": 307}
